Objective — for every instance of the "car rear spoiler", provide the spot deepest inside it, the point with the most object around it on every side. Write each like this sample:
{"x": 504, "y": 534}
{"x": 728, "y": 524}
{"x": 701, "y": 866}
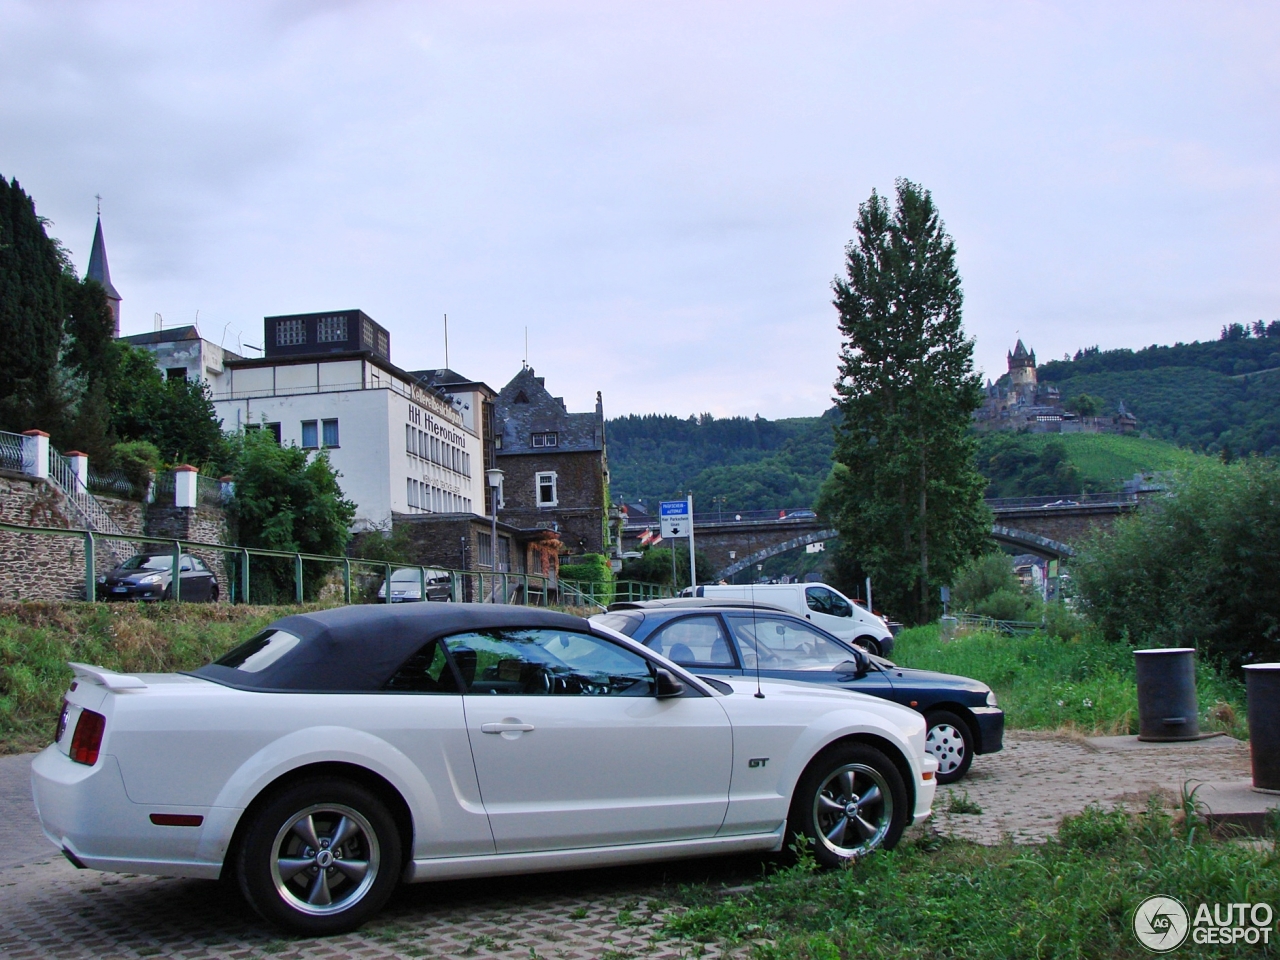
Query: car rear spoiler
{"x": 106, "y": 678}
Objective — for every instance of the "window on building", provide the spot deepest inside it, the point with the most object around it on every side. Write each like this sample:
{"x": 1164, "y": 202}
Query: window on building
{"x": 546, "y": 483}
{"x": 310, "y": 436}
{"x": 290, "y": 333}
{"x": 383, "y": 346}
{"x": 329, "y": 433}
{"x": 331, "y": 329}
{"x": 411, "y": 492}
{"x": 366, "y": 334}
{"x": 466, "y": 464}
{"x": 546, "y": 439}
{"x": 271, "y": 428}
{"x": 410, "y": 441}
{"x": 175, "y": 373}
{"x": 484, "y": 550}
{"x": 504, "y": 554}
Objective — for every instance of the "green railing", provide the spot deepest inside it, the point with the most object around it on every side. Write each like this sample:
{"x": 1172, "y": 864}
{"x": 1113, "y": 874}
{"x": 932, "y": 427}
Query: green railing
{"x": 279, "y": 576}
{"x": 595, "y": 594}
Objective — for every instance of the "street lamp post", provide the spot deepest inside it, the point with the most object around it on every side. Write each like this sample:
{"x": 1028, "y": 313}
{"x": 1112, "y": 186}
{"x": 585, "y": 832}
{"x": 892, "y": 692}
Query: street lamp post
{"x": 495, "y": 482}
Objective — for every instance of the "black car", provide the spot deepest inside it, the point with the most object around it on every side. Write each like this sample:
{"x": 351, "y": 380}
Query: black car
{"x": 149, "y": 576}
{"x": 733, "y": 638}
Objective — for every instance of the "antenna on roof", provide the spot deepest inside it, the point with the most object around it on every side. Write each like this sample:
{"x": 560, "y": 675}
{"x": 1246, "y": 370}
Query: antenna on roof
{"x": 98, "y": 197}
{"x": 526, "y": 347}
{"x": 159, "y": 321}
{"x": 446, "y": 341}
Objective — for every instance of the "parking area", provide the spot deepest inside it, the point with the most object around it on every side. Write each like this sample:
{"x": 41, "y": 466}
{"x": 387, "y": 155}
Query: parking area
{"x": 50, "y": 909}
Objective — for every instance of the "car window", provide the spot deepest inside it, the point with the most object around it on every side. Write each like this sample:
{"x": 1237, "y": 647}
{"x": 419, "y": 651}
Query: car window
{"x": 693, "y": 641}
{"x": 186, "y": 564}
{"x": 823, "y": 600}
{"x": 142, "y": 561}
{"x": 198, "y": 565}
{"x": 786, "y": 644}
{"x": 427, "y": 671}
{"x": 548, "y": 662}
{"x": 624, "y": 623}
{"x": 255, "y": 655}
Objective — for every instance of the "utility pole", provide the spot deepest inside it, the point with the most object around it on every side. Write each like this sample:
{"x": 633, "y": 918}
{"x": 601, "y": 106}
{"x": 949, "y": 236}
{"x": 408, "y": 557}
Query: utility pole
{"x": 693, "y": 562}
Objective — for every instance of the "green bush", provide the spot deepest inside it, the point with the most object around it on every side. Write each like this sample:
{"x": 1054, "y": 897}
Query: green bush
{"x": 987, "y": 586}
{"x": 1196, "y": 568}
{"x": 138, "y": 460}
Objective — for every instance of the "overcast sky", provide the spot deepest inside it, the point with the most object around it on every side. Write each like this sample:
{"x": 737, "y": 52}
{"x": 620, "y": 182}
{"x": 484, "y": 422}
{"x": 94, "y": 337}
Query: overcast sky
{"x": 660, "y": 192}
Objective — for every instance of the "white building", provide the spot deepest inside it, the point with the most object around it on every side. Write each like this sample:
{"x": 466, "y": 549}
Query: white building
{"x": 327, "y": 383}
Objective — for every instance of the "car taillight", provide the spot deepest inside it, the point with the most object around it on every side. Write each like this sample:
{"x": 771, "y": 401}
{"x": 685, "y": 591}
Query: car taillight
{"x": 87, "y": 739}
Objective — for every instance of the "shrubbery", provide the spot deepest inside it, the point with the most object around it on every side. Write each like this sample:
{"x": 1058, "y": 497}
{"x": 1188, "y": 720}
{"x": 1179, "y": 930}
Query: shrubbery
{"x": 1199, "y": 568}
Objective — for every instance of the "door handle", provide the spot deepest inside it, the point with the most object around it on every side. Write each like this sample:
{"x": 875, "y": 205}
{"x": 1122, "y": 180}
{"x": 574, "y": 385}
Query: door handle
{"x": 506, "y": 726}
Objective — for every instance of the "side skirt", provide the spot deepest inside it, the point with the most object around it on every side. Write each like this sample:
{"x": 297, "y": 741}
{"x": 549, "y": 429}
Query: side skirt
{"x": 450, "y": 868}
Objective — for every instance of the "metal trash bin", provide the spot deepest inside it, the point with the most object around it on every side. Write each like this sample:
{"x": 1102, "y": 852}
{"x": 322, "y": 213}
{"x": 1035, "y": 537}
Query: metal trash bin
{"x": 1167, "y": 706}
{"x": 1262, "y": 686}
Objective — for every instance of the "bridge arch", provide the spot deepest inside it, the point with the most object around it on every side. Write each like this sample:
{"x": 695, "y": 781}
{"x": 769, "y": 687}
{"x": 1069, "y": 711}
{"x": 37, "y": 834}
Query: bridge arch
{"x": 815, "y": 536}
{"x": 1029, "y": 542}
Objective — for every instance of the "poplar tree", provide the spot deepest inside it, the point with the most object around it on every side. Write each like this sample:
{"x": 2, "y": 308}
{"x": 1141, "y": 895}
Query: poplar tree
{"x": 904, "y": 493}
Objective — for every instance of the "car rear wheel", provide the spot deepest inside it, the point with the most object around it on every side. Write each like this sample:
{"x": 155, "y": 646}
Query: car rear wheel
{"x": 850, "y": 801}
{"x": 320, "y": 858}
{"x": 949, "y": 741}
{"x": 213, "y": 594}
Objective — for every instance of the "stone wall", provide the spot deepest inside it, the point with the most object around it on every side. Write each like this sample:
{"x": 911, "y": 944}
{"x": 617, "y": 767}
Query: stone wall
{"x": 49, "y": 567}
{"x": 580, "y": 510}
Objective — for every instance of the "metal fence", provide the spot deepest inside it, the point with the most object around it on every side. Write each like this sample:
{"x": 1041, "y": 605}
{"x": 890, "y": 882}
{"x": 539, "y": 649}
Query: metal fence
{"x": 590, "y": 594}
{"x": 253, "y": 575}
{"x": 116, "y": 484}
{"x": 1009, "y": 628}
{"x": 11, "y": 451}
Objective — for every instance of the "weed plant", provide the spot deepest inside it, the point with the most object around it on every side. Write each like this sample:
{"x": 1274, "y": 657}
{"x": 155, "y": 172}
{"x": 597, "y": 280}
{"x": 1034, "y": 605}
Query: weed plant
{"x": 1080, "y": 682}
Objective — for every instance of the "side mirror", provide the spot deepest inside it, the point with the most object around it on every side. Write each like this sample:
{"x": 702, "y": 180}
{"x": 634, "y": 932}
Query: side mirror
{"x": 856, "y": 667}
{"x": 667, "y": 685}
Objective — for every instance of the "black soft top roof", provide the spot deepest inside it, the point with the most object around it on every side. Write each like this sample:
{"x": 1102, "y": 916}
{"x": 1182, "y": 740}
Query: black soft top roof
{"x": 356, "y": 649}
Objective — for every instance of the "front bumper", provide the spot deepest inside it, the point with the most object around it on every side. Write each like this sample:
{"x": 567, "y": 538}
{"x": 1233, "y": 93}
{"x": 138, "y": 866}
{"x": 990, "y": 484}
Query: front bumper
{"x": 85, "y": 812}
{"x": 130, "y": 591}
{"x": 990, "y": 723}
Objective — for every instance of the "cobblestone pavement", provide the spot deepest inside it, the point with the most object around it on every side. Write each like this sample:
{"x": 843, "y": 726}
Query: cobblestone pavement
{"x": 50, "y": 909}
{"x": 1026, "y": 789}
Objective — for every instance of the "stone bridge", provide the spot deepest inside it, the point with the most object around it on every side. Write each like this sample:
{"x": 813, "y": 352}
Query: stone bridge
{"x": 1050, "y": 527}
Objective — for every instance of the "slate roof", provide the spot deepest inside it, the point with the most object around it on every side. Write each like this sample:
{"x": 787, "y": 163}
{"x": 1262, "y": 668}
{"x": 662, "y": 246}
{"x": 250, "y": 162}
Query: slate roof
{"x": 98, "y": 269}
{"x": 525, "y": 407}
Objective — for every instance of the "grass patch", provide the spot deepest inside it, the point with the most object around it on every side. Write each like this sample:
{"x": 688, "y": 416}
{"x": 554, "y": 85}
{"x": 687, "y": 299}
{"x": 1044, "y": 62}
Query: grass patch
{"x": 1082, "y": 683}
{"x": 37, "y": 640}
{"x": 1073, "y": 896}
{"x": 962, "y": 803}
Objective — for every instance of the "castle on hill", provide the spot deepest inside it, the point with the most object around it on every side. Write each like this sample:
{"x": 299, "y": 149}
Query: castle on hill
{"x": 1018, "y": 401}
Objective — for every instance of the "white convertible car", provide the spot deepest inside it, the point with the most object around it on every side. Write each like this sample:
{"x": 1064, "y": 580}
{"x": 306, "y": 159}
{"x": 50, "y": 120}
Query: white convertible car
{"x": 338, "y": 753}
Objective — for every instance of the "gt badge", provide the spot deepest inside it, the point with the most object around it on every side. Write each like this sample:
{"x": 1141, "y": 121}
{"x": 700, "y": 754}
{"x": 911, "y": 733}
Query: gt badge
{"x": 757, "y": 762}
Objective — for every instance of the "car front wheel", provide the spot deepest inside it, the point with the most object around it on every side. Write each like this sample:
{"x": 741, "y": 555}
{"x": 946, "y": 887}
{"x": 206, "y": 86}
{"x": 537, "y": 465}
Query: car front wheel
{"x": 320, "y": 858}
{"x": 949, "y": 741}
{"x": 850, "y": 801}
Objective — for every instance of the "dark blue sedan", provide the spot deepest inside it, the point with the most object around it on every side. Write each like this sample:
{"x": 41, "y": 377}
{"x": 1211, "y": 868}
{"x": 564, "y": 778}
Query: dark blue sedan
{"x": 732, "y": 638}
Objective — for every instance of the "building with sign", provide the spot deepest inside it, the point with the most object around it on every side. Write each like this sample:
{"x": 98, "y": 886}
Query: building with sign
{"x": 326, "y": 382}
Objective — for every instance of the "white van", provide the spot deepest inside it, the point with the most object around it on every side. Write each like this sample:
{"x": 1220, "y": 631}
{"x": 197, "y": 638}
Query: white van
{"x": 824, "y": 606}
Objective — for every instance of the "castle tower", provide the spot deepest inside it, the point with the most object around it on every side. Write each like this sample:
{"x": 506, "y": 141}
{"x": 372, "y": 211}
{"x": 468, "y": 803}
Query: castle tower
{"x": 98, "y": 270}
{"x": 1022, "y": 368}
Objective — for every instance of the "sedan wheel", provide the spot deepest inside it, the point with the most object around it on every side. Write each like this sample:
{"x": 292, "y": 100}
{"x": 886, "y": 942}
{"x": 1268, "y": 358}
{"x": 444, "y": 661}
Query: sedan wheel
{"x": 949, "y": 742}
{"x": 850, "y": 801}
{"x": 320, "y": 858}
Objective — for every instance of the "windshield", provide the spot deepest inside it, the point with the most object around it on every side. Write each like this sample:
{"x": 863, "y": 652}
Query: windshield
{"x": 144, "y": 561}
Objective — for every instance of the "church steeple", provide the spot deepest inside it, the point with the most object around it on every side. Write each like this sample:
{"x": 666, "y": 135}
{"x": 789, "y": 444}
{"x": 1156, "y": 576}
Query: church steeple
{"x": 99, "y": 271}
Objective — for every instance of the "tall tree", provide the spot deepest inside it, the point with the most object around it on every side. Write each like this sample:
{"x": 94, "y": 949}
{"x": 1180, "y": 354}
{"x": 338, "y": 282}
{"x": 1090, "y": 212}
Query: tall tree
{"x": 905, "y": 495}
{"x": 31, "y": 312}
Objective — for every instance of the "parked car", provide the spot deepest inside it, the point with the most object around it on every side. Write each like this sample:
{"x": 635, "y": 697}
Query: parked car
{"x": 823, "y": 605}
{"x": 331, "y": 756}
{"x": 149, "y": 576}
{"x": 733, "y": 638}
{"x": 406, "y": 585}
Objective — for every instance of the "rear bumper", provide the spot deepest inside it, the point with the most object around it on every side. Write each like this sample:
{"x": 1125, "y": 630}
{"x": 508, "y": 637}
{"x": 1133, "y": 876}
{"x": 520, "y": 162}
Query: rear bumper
{"x": 85, "y": 812}
{"x": 990, "y": 722}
